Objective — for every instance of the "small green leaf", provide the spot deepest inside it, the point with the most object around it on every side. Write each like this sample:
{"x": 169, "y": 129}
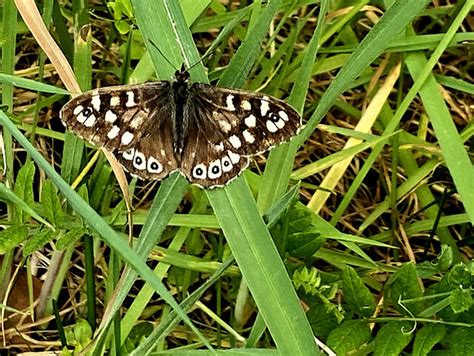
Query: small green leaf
{"x": 348, "y": 336}
{"x": 445, "y": 259}
{"x": 460, "y": 275}
{"x": 322, "y": 319}
{"x": 404, "y": 285}
{"x": 79, "y": 334}
{"x": 24, "y": 189}
{"x": 427, "y": 337}
{"x": 461, "y": 300}
{"x": 308, "y": 279}
{"x": 356, "y": 294}
{"x": 392, "y": 338}
{"x": 51, "y": 204}
{"x": 12, "y": 237}
{"x": 461, "y": 341}
{"x": 70, "y": 237}
{"x": 38, "y": 240}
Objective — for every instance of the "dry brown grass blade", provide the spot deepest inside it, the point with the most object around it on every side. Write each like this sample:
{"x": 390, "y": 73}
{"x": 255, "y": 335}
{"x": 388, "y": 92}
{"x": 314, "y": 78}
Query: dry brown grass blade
{"x": 318, "y": 200}
{"x": 32, "y": 17}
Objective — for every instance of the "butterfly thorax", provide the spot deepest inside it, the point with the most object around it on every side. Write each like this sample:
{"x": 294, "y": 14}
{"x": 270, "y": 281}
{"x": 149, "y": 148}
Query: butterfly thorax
{"x": 180, "y": 93}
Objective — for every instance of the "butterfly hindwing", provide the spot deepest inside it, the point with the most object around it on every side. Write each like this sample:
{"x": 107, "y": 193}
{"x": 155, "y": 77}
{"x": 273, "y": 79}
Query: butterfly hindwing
{"x": 150, "y": 158}
{"x": 209, "y": 162}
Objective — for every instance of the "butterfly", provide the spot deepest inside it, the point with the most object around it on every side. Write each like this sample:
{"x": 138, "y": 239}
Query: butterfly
{"x": 205, "y": 132}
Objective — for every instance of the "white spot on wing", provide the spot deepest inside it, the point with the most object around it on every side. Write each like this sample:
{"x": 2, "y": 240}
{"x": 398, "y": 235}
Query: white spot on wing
{"x": 250, "y": 121}
{"x": 90, "y": 121}
{"x": 128, "y": 154}
{"x": 139, "y": 161}
{"x": 235, "y": 141}
{"x": 230, "y": 102}
{"x": 130, "y": 99}
{"x": 113, "y": 133}
{"x": 136, "y": 122}
{"x": 219, "y": 147}
{"x": 215, "y": 170}
{"x": 154, "y": 166}
{"x": 199, "y": 171}
{"x": 234, "y": 157}
{"x": 114, "y": 100}
{"x": 280, "y": 123}
{"x": 95, "y": 101}
{"x": 81, "y": 118}
{"x": 283, "y": 115}
{"x": 264, "y": 107}
{"x": 226, "y": 164}
{"x": 224, "y": 125}
{"x": 127, "y": 137}
{"x": 77, "y": 109}
{"x": 110, "y": 116}
{"x": 245, "y": 104}
{"x": 248, "y": 137}
{"x": 271, "y": 126}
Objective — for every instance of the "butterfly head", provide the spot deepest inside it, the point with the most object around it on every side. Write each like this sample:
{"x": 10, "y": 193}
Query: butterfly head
{"x": 181, "y": 75}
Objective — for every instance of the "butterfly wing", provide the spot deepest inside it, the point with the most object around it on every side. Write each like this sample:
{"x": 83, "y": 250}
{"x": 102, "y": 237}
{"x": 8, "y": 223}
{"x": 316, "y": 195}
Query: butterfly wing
{"x": 207, "y": 163}
{"x": 133, "y": 121}
{"x": 231, "y": 125}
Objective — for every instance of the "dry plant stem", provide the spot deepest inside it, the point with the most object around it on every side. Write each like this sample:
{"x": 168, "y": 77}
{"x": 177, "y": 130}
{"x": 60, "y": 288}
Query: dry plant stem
{"x": 406, "y": 244}
{"x": 5, "y": 299}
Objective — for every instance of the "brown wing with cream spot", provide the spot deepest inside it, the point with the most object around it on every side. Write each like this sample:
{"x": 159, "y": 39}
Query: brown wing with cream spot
{"x": 226, "y": 127}
{"x": 113, "y": 117}
{"x": 210, "y": 164}
{"x": 250, "y": 122}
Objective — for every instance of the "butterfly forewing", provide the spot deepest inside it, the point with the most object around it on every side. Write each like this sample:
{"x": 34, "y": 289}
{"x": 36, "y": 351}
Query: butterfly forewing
{"x": 248, "y": 123}
{"x": 113, "y": 117}
{"x": 205, "y": 132}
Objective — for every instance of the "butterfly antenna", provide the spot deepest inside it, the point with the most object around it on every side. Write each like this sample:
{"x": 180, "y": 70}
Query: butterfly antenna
{"x": 201, "y": 60}
{"x": 162, "y": 54}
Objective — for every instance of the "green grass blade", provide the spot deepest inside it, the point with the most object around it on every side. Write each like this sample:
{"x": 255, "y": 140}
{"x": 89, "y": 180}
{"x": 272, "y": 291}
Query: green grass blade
{"x": 396, "y": 18}
{"x": 99, "y": 225}
{"x": 30, "y": 84}
{"x": 263, "y": 269}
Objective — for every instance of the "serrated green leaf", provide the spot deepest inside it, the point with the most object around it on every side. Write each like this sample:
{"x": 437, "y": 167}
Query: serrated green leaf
{"x": 70, "y": 237}
{"x": 459, "y": 275}
{"x": 37, "y": 241}
{"x": 50, "y": 203}
{"x": 404, "y": 285}
{"x": 461, "y": 300}
{"x": 7, "y": 195}
{"x": 427, "y": 337}
{"x": 356, "y": 294}
{"x": 392, "y": 338}
{"x": 322, "y": 319}
{"x": 461, "y": 341}
{"x": 24, "y": 189}
{"x": 304, "y": 244}
{"x": 12, "y": 237}
{"x": 348, "y": 336}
